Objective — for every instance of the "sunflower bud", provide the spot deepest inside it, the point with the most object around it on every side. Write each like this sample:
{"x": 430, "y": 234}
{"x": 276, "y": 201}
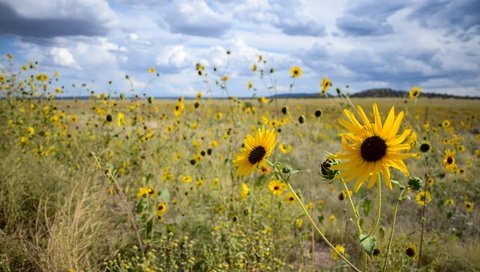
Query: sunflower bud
{"x": 415, "y": 183}
{"x": 328, "y": 173}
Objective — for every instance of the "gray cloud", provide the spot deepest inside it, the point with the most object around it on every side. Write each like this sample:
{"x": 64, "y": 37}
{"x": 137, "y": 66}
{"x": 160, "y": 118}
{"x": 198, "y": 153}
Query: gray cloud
{"x": 460, "y": 18}
{"x": 195, "y": 18}
{"x": 12, "y": 22}
{"x": 368, "y": 18}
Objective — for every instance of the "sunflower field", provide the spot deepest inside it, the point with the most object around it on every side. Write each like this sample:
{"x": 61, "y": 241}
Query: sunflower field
{"x": 123, "y": 182}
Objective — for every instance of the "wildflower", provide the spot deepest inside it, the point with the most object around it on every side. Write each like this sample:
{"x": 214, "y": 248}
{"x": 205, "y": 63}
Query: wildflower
{"x": 423, "y": 198}
{"x": 327, "y": 172}
{"x": 276, "y": 187}
{"x": 449, "y": 161}
{"x": 295, "y": 71}
{"x": 41, "y": 77}
{"x": 332, "y": 218}
{"x": 446, "y": 124}
{"x": 301, "y": 119}
{"x": 30, "y": 131}
{"x": 468, "y": 206}
{"x": 120, "y": 119}
{"x": 370, "y": 149}
{"x": 249, "y": 84}
{"x": 186, "y": 179}
{"x": 145, "y": 191}
{"x": 290, "y": 198}
{"x": 326, "y": 83}
{"x": 225, "y": 78}
{"x": 411, "y": 250}
{"x": 161, "y": 209}
{"x": 424, "y": 147}
{"x": 340, "y": 249}
{"x": 256, "y": 151}
{"x": 449, "y": 202}
{"x": 299, "y": 223}
{"x": 430, "y": 181}
{"x": 285, "y": 148}
{"x": 245, "y": 191}
{"x": 254, "y": 68}
{"x": 414, "y": 93}
{"x": 151, "y": 70}
{"x": 3, "y": 78}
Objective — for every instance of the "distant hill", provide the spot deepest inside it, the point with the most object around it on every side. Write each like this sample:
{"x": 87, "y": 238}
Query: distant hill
{"x": 377, "y": 92}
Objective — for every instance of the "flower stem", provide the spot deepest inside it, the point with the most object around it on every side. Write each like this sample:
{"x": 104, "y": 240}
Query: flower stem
{"x": 318, "y": 229}
{"x": 395, "y": 210}
{"x": 354, "y": 210}
{"x": 379, "y": 207}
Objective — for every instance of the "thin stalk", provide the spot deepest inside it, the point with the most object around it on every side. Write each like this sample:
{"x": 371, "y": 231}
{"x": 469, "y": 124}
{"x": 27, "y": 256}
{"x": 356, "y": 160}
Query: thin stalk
{"x": 390, "y": 239}
{"x": 379, "y": 207}
{"x": 352, "y": 205}
{"x": 318, "y": 229}
{"x": 422, "y": 232}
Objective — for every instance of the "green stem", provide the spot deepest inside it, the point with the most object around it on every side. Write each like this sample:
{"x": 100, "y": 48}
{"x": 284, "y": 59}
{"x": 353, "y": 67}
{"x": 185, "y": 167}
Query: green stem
{"x": 379, "y": 207}
{"x": 318, "y": 229}
{"x": 354, "y": 210}
{"x": 390, "y": 239}
{"x": 422, "y": 232}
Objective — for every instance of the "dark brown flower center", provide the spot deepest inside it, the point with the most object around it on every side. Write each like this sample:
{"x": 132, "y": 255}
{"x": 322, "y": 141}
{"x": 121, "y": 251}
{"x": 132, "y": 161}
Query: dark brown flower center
{"x": 373, "y": 149}
{"x": 449, "y": 160}
{"x": 257, "y": 154}
{"x": 275, "y": 188}
{"x": 410, "y": 252}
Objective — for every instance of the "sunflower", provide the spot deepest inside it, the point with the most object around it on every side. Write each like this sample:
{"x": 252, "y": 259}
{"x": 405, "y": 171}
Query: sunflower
{"x": 411, "y": 250}
{"x": 445, "y": 124}
{"x": 151, "y": 70}
{"x": 145, "y": 191}
{"x": 449, "y": 161}
{"x": 290, "y": 198}
{"x": 340, "y": 249}
{"x": 245, "y": 191}
{"x": 468, "y": 206}
{"x": 423, "y": 198}
{"x": 449, "y": 202}
{"x": 256, "y": 151}
{"x": 370, "y": 149}
{"x": 326, "y": 83}
{"x": 414, "y": 93}
{"x": 161, "y": 208}
{"x": 276, "y": 187}
{"x": 295, "y": 71}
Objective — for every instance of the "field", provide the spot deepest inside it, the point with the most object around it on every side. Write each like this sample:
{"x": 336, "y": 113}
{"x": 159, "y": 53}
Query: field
{"x": 110, "y": 184}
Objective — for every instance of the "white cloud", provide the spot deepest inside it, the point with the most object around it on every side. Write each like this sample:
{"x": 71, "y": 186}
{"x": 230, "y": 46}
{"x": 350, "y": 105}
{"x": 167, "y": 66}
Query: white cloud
{"x": 63, "y": 57}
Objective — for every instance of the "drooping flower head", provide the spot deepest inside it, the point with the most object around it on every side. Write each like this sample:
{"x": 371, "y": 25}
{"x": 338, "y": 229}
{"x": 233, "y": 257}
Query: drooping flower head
{"x": 372, "y": 148}
{"x": 255, "y": 151}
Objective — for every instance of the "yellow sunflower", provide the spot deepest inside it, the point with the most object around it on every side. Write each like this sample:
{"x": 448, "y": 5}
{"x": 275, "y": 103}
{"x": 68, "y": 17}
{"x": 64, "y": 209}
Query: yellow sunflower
{"x": 255, "y": 151}
{"x": 372, "y": 148}
{"x": 276, "y": 187}
{"x": 325, "y": 84}
{"x": 449, "y": 161}
{"x": 296, "y": 71}
{"x": 423, "y": 198}
{"x": 414, "y": 93}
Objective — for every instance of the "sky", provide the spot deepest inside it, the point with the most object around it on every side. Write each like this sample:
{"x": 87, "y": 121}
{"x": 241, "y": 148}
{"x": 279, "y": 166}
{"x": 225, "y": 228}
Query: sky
{"x": 360, "y": 44}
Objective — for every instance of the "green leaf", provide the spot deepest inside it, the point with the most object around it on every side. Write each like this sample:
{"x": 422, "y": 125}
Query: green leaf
{"x": 367, "y": 205}
{"x": 320, "y": 218}
{"x": 368, "y": 243}
{"x": 165, "y": 195}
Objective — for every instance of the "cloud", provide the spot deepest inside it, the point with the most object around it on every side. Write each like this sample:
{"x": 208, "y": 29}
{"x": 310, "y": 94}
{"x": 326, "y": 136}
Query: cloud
{"x": 47, "y": 19}
{"x": 195, "y": 18}
{"x": 368, "y": 18}
{"x": 63, "y": 57}
{"x": 294, "y": 20}
{"x": 456, "y": 17}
